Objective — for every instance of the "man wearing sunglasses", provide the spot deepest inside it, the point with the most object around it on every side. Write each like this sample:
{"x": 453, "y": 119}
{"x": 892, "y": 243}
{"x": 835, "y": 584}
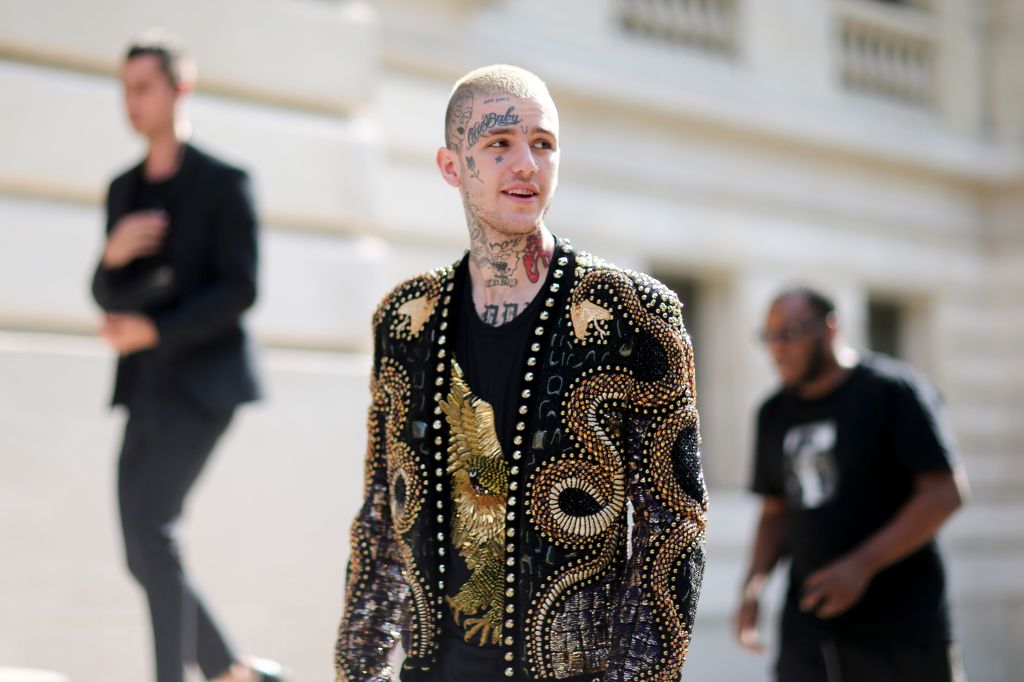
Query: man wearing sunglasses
{"x": 857, "y": 475}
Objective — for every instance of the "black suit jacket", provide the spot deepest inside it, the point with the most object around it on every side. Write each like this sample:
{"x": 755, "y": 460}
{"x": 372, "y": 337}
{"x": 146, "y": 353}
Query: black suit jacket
{"x": 204, "y": 351}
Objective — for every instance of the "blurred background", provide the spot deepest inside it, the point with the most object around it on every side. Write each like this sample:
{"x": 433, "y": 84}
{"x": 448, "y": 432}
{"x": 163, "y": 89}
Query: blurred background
{"x": 873, "y": 148}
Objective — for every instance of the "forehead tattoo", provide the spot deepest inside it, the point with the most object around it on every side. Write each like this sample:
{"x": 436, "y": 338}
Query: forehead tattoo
{"x": 489, "y": 121}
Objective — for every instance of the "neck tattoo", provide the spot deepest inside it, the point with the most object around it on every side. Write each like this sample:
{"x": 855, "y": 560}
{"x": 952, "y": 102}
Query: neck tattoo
{"x": 497, "y": 260}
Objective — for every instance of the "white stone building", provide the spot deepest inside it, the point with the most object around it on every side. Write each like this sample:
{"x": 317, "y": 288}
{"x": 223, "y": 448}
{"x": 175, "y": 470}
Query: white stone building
{"x": 729, "y": 147}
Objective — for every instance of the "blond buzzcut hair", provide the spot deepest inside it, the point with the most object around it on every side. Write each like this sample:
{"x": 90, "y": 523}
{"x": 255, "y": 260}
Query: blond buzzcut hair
{"x": 496, "y": 79}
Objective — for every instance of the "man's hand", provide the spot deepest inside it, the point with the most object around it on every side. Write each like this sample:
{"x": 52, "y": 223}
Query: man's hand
{"x": 835, "y": 588}
{"x": 129, "y": 333}
{"x": 745, "y": 625}
{"x": 135, "y": 235}
{"x": 768, "y": 544}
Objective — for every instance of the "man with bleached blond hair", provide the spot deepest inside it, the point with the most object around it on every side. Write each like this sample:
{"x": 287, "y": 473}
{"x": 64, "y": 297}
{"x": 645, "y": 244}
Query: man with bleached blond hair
{"x": 524, "y": 399}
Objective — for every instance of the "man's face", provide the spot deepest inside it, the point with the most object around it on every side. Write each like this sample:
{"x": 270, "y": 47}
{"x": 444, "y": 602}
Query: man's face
{"x": 149, "y": 96}
{"x": 797, "y": 339}
{"x": 506, "y": 160}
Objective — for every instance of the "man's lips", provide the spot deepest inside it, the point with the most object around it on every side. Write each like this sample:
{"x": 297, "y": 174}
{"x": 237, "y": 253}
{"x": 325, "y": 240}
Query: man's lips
{"x": 521, "y": 192}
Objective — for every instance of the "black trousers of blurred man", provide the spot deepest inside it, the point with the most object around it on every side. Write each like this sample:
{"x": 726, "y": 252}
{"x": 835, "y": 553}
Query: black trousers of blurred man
{"x": 180, "y": 395}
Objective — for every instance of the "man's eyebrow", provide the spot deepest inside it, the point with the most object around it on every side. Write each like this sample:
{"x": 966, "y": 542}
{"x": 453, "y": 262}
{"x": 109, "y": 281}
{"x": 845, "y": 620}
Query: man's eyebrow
{"x": 508, "y": 130}
{"x": 498, "y": 131}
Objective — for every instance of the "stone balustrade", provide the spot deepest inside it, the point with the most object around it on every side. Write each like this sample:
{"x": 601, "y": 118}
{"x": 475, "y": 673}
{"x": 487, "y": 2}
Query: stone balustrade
{"x": 706, "y": 24}
{"x": 889, "y": 50}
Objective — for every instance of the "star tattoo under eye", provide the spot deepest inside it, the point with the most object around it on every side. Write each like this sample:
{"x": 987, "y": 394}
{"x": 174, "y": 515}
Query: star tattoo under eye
{"x": 499, "y": 159}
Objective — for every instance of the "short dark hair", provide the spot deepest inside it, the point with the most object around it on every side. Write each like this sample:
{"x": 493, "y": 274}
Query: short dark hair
{"x": 822, "y": 305}
{"x": 174, "y": 60}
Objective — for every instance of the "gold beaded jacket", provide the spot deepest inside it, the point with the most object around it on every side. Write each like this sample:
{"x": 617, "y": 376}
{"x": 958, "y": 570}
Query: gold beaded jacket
{"x": 604, "y": 525}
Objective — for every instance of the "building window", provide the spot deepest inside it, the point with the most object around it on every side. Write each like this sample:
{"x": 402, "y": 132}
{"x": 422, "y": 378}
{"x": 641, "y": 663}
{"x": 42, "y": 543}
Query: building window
{"x": 885, "y": 328}
{"x": 709, "y": 25}
{"x": 888, "y": 48}
{"x": 924, "y": 4}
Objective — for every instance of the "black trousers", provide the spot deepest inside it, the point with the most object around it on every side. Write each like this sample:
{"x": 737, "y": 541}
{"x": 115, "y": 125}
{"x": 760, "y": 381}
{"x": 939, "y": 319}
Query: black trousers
{"x": 167, "y": 441}
{"x": 808, "y": 656}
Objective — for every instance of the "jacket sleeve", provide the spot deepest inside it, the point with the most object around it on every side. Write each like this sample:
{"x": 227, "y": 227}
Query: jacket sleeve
{"x": 207, "y": 313}
{"x": 104, "y": 279}
{"x": 375, "y": 586}
{"x": 653, "y": 616}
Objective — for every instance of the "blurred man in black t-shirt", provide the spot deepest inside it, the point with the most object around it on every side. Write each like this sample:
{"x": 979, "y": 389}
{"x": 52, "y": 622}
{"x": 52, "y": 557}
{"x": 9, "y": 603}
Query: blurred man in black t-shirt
{"x": 857, "y": 474}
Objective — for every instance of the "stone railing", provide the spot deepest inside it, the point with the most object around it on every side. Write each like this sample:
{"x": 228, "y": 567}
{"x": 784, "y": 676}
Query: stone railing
{"x": 889, "y": 50}
{"x": 705, "y": 24}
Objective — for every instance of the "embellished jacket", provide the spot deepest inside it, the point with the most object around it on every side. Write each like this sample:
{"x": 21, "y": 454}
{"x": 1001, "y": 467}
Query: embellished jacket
{"x": 606, "y": 508}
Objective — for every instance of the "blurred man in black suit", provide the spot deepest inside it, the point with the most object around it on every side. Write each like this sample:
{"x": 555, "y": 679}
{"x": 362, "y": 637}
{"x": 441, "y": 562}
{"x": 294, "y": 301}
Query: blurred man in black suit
{"x": 177, "y": 272}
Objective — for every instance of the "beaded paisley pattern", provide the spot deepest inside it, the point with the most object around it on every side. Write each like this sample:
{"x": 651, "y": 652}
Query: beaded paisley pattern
{"x": 573, "y": 499}
{"x": 606, "y": 422}
{"x": 376, "y": 589}
{"x": 670, "y": 500}
{"x": 384, "y": 585}
{"x": 405, "y": 483}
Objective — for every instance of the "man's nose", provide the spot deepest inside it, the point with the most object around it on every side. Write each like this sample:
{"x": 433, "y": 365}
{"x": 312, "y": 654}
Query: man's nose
{"x": 524, "y": 163}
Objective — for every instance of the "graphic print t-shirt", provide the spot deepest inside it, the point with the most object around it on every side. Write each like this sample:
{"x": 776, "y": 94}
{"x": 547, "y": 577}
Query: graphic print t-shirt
{"x": 845, "y": 465}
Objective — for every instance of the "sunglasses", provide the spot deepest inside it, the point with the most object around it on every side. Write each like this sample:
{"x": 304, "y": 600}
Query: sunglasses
{"x": 792, "y": 332}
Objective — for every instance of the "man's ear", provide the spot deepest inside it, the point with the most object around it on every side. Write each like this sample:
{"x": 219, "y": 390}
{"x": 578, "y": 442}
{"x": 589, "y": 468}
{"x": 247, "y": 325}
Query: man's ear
{"x": 448, "y": 164}
{"x": 182, "y": 91}
{"x": 831, "y": 326}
